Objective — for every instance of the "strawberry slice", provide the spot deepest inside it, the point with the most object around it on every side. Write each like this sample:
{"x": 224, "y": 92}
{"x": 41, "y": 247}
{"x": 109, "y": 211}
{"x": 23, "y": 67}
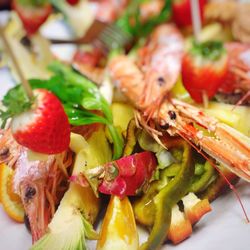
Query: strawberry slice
{"x": 32, "y": 15}
{"x": 204, "y": 69}
{"x": 182, "y": 12}
{"x": 45, "y": 127}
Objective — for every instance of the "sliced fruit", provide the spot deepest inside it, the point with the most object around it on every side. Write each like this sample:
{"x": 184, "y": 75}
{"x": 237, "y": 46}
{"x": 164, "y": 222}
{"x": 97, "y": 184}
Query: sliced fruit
{"x": 11, "y": 202}
{"x": 118, "y": 228}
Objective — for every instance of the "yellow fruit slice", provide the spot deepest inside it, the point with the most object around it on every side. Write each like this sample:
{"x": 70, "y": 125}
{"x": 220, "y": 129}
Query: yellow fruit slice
{"x": 118, "y": 228}
{"x": 11, "y": 202}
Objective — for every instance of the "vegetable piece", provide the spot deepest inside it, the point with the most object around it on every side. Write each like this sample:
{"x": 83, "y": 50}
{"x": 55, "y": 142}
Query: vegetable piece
{"x": 144, "y": 207}
{"x": 168, "y": 196}
{"x": 182, "y": 12}
{"x": 219, "y": 185}
{"x": 79, "y": 206}
{"x": 199, "y": 184}
{"x": 122, "y": 114}
{"x": 128, "y": 175}
{"x": 118, "y": 229}
{"x": 164, "y": 158}
{"x": 32, "y": 13}
{"x": 204, "y": 69}
{"x": 180, "y": 227}
{"x": 195, "y": 208}
{"x": 146, "y": 142}
{"x": 12, "y": 203}
{"x": 41, "y": 126}
{"x": 130, "y": 138}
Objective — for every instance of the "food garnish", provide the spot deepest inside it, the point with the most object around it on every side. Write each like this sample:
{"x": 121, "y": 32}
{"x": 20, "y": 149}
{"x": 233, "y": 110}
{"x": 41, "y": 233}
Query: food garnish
{"x": 119, "y": 228}
{"x": 12, "y": 203}
{"x": 40, "y": 125}
{"x": 33, "y": 13}
{"x": 204, "y": 69}
{"x": 80, "y": 97}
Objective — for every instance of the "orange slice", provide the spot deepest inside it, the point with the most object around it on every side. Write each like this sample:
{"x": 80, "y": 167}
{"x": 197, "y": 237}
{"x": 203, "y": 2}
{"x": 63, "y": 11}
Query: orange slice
{"x": 11, "y": 202}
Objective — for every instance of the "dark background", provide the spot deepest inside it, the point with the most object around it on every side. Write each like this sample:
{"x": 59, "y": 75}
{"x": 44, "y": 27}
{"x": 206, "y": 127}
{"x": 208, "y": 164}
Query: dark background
{"x": 5, "y": 4}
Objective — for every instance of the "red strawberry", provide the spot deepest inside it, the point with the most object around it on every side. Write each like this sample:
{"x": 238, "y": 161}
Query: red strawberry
{"x": 204, "y": 69}
{"x": 182, "y": 12}
{"x": 32, "y": 16}
{"x": 72, "y": 2}
{"x": 44, "y": 128}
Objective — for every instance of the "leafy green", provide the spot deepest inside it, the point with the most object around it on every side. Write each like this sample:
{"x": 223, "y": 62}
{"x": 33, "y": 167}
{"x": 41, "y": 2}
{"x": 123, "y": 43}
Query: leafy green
{"x": 91, "y": 99}
{"x": 20, "y": 104}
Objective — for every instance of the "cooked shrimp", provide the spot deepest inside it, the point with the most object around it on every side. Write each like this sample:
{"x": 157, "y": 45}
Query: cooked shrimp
{"x": 39, "y": 183}
{"x": 160, "y": 61}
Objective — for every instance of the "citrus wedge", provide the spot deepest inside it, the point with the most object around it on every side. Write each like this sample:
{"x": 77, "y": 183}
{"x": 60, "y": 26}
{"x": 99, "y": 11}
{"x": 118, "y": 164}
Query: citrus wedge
{"x": 11, "y": 202}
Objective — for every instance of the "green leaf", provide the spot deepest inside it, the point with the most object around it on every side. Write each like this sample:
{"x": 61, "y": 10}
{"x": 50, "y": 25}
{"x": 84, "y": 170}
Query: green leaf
{"x": 91, "y": 103}
{"x": 91, "y": 100}
{"x": 117, "y": 140}
{"x": 15, "y": 103}
{"x": 79, "y": 117}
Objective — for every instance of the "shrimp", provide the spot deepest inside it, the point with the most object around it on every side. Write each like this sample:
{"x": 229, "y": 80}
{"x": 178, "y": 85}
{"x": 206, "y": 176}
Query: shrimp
{"x": 160, "y": 75}
{"x": 159, "y": 113}
{"x": 39, "y": 183}
{"x": 238, "y": 78}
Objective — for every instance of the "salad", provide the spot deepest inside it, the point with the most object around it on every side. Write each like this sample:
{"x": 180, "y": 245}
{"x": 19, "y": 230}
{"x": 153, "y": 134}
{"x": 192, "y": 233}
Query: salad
{"x": 144, "y": 135}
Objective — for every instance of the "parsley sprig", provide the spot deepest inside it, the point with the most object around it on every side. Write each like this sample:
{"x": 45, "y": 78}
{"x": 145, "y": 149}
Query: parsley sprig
{"x": 13, "y": 108}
